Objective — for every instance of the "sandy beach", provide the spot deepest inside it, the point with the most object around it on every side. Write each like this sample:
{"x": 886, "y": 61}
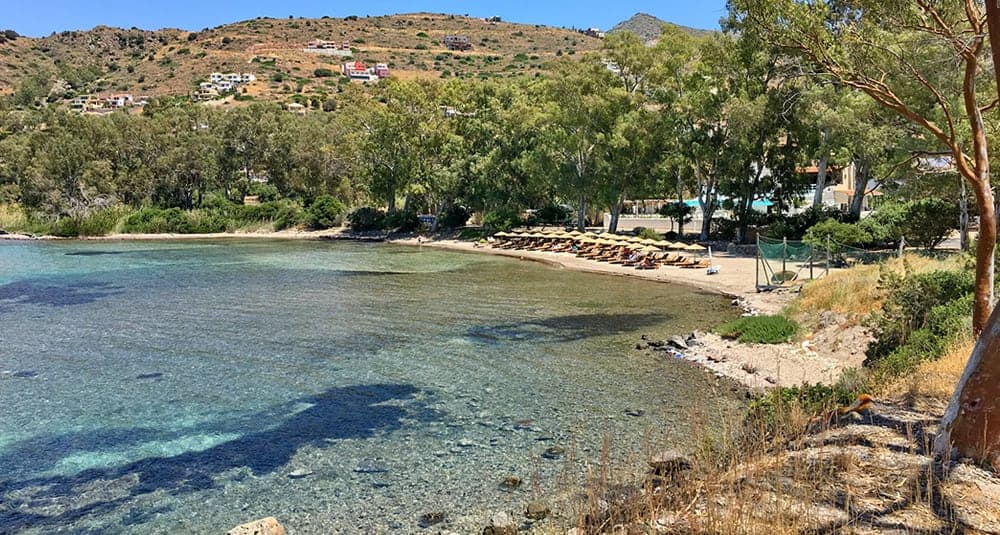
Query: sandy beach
{"x": 827, "y": 352}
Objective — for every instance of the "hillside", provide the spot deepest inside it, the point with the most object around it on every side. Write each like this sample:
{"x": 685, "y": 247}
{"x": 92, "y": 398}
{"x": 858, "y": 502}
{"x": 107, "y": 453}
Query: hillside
{"x": 172, "y": 62}
{"x": 649, "y": 27}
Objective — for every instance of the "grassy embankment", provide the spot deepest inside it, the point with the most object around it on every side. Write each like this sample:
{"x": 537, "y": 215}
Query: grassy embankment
{"x": 784, "y": 466}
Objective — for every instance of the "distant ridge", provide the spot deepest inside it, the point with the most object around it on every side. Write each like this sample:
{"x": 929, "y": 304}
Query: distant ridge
{"x": 648, "y": 27}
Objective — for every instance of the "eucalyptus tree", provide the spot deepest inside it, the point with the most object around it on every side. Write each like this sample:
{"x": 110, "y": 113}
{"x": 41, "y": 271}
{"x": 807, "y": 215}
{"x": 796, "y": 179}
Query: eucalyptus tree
{"x": 393, "y": 131}
{"x": 583, "y": 103}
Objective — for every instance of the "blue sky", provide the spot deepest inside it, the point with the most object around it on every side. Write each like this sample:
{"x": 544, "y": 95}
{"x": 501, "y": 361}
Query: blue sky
{"x": 42, "y": 17}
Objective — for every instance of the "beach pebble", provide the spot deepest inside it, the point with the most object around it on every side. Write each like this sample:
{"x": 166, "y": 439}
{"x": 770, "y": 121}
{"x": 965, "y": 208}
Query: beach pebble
{"x": 466, "y": 443}
{"x": 300, "y": 473}
{"x": 635, "y": 412}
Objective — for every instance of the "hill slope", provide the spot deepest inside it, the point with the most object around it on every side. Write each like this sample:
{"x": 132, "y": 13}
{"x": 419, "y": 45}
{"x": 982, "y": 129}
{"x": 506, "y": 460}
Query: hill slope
{"x": 648, "y": 27}
{"x": 172, "y": 62}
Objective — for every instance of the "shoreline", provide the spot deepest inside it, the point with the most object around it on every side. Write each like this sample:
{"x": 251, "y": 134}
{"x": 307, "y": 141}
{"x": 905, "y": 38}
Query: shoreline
{"x": 822, "y": 358}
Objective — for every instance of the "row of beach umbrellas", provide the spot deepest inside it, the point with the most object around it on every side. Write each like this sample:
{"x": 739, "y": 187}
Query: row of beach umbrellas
{"x": 591, "y": 238}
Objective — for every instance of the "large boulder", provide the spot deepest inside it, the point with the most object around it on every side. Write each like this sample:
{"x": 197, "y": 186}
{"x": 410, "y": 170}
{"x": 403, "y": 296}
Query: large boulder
{"x": 264, "y": 526}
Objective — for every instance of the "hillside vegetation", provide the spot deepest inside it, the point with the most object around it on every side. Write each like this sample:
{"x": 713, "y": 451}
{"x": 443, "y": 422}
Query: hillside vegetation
{"x": 172, "y": 62}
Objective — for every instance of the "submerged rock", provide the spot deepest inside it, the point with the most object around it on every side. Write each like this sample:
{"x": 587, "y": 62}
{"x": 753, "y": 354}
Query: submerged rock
{"x": 536, "y": 510}
{"x": 300, "y": 473}
{"x": 501, "y": 524}
{"x": 371, "y": 466}
{"x": 510, "y": 483}
{"x": 554, "y": 452}
{"x": 264, "y": 526}
{"x": 431, "y": 518}
{"x": 635, "y": 412}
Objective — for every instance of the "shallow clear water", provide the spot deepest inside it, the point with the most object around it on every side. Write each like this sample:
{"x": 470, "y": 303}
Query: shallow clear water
{"x": 153, "y": 387}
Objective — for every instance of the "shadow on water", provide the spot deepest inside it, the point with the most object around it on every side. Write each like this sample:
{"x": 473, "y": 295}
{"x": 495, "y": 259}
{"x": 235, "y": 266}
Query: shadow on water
{"x": 564, "y": 328}
{"x": 53, "y": 293}
{"x": 339, "y": 413}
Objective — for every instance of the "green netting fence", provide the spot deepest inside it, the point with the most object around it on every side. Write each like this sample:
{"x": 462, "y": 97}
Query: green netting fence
{"x": 788, "y": 262}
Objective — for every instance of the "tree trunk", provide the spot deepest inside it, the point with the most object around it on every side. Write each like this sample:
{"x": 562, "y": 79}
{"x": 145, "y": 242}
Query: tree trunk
{"x": 985, "y": 249}
{"x": 860, "y": 188}
{"x": 706, "y": 221}
{"x": 616, "y": 211}
{"x": 581, "y": 214}
{"x": 437, "y": 217}
{"x": 821, "y": 171}
{"x": 963, "y": 216}
{"x": 391, "y": 201}
{"x": 680, "y": 201}
{"x": 406, "y": 202}
{"x": 970, "y": 427}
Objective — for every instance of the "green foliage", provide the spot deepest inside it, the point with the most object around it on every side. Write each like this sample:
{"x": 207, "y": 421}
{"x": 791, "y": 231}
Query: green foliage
{"x": 759, "y": 329}
{"x": 934, "y": 302}
{"x": 885, "y": 224}
{"x": 678, "y": 211}
{"x": 401, "y": 221}
{"x": 325, "y": 212}
{"x": 794, "y": 227}
{"x": 323, "y": 73}
{"x": 850, "y": 234}
{"x": 502, "y": 219}
{"x": 95, "y": 223}
{"x": 647, "y": 233}
{"x": 454, "y": 216}
{"x": 552, "y": 214}
{"x": 265, "y": 192}
{"x": 366, "y": 218}
{"x": 928, "y": 221}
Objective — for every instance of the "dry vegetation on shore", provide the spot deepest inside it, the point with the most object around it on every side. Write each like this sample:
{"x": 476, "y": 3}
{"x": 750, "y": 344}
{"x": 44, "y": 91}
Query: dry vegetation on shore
{"x": 787, "y": 467}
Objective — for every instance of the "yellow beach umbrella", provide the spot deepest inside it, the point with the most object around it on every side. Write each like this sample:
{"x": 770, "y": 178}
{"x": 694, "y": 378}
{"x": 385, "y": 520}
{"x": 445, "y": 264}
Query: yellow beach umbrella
{"x": 590, "y": 234}
{"x": 576, "y": 233}
{"x": 694, "y": 247}
{"x": 501, "y": 235}
{"x": 663, "y": 244}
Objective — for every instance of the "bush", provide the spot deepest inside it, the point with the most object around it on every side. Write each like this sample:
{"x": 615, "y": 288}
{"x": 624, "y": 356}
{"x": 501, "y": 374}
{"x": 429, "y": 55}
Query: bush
{"x": 552, "y": 214}
{"x": 647, "y": 233}
{"x": 927, "y": 222}
{"x": 885, "y": 224}
{"x": 157, "y": 221}
{"x": 454, "y": 216}
{"x": 850, "y": 234}
{"x": 795, "y": 227}
{"x": 401, "y": 221}
{"x": 265, "y": 192}
{"x": 365, "y": 219}
{"x": 501, "y": 219}
{"x": 322, "y": 73}
{"x": 759, "y": 329}
{"x": 678, "y": 211}
{"x": 325, "y": 212}
{"x": 912, "y": 304}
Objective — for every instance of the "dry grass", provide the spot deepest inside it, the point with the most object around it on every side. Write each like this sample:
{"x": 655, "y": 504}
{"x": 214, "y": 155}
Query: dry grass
{"x": 855, "y": 292}
{"x": 935, "y": 381}
{"x": 12, "y": 217}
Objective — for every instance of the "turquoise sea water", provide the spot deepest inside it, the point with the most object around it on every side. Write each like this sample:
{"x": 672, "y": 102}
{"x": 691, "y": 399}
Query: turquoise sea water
{"x": 187, "y": 387}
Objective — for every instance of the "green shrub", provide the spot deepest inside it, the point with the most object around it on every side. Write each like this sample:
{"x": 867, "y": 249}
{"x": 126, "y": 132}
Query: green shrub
{"x": 552, "y": 214}
{"x": 647, "y": 233}
{"x": 927, "y": 222}
{"x": 885, "y": 224}
{"x": 678, "y": 211}
{"x": 502, "y": 219}
{"x": 453, "y": 216}
{"x": 96, "y": 223}
{"x": 264, "y": 192}
{"x": 850, "y": 234}
{"x": 157, "y": 221}
{"x": 365, "y": 219}
{"x": 759, "y": 329}
{"x": 322, "y": 73}
{"x": 401, "y": 221}
{"x": 325, "y": 212}
{"x": 915, "y": 302}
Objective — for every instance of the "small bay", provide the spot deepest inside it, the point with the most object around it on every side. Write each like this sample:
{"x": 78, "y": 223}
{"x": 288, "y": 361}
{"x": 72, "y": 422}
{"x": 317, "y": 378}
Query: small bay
{"x": 190, "y": 386}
